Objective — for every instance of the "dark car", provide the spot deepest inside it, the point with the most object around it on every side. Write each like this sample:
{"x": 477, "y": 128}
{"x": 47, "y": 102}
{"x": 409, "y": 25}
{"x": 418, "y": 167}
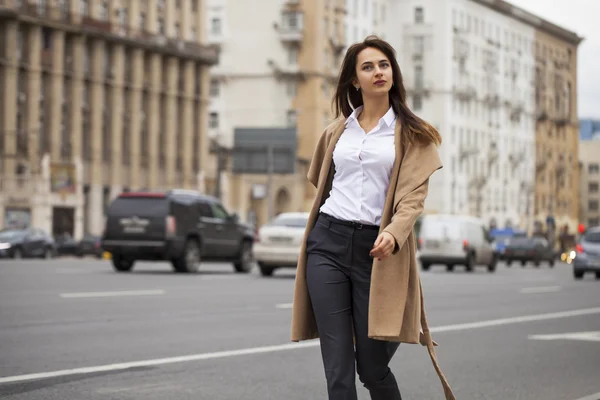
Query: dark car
{"x": 524, "y": 249}
{"x": 180, "y": 226}
{"x": 587, "y": 257}
{"x": 90, "y": 245}
{"x": 65, "y": 244}
{"x": 26, "y": 243}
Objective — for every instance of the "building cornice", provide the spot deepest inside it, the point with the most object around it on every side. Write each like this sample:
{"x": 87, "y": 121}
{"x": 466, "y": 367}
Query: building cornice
{"x": 530, "y": 19}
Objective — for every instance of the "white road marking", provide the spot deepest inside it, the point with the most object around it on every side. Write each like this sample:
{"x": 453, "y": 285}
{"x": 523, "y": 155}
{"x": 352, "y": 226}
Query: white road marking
{"x": 159, "y": 361}
{"x": 585, "y": 336}
{"x": 516, "y": 320}
{"x": 284, "y": 347}
{"x": 84, "y": 295}
{"x": 284, "y": 305}
{"x": 595, "y": 396}
{"x": 540, "y": 289}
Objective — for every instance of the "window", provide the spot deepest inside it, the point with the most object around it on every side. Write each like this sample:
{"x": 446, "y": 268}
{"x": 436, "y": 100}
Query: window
{"x": 418, "y": 77}
{"x": 291, "y": 88}
{"x": 218, "y": 211}
{"x": 205, "y": 210}
{"x": 214, "y": 88}
{"x": 593, "y": 187}
{"x": 215, "y": 26}
{"x": 142, "y": 21}
{"x": 593, "y": 222}
{"x": 291, "y": 118}
{"x": 161, "y": 26}
{"x": 593, "y": 168}
{"x": 292, "y": 56}
{"x": 417, "y": 102}
{"x": 419, "y": 15}
{"x": 214, "y": 120}
{"x": 593, "y": 205}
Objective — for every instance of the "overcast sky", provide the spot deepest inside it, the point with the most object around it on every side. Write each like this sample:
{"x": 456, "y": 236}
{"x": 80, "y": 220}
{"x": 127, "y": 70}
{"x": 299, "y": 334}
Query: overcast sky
{"x": 583, "y": 18}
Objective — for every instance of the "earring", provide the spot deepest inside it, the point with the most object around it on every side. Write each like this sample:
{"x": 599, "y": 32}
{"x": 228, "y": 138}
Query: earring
{"x": 357, "y": 88}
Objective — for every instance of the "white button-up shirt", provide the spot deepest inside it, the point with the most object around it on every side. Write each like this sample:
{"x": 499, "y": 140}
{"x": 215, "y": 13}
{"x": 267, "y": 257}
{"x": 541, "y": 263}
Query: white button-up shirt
{"x": 363, "y": 164}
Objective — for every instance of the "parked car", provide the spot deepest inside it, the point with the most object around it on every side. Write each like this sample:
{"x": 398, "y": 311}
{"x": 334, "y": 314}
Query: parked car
{"x": 524, "y": 249}
{"x": 90, "y": 245}
{"x": 278, "y": 243}
{"x": 502, "y": 237}
{"x": 26, "y": 243}
{"x": 587, "y": 257}
{"x": 455, "y": 239}
{"x": 66, "y": 245}
{"x": 180, "y": 226}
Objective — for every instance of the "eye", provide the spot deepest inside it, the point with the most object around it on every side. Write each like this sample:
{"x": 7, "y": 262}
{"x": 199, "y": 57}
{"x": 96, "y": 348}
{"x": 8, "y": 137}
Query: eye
{"x": 367, "y": 67}
{"x": 385, "y": 65}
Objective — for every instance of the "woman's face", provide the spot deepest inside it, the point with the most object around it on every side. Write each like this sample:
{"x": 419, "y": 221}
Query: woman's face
{"x": 374, "y": 74}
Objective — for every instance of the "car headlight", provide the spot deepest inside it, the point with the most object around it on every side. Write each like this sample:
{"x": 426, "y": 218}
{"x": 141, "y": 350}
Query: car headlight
{"x": 572, "y": 254}
{"x": 4, "y": 246}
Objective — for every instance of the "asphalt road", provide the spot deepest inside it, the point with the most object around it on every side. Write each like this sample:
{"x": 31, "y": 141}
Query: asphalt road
{"x": 73, "y": 329}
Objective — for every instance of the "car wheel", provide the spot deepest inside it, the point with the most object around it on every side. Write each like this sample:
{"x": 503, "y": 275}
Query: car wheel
{"x": 189, "y": 262}
{"x": 551, "y": 263}
{"x": 17, "y": 254}
{"x": 450, "y": 267}
{"x": 47, "y": 253}
{"x": 121, "y": 264}
{"x": 523, "y": 263}
{"x": 578, "y": 274}
{"x": 266, "y": 270}
{"x": 244, "y": 264}
{"x": 536, "y": 264}
{"x": 425, "y": 266}
{"x": 508, "y": 263}
{"x": 470, "y": 263}
{"x": 492, "y": 266}
{"x": 597, "y": 275}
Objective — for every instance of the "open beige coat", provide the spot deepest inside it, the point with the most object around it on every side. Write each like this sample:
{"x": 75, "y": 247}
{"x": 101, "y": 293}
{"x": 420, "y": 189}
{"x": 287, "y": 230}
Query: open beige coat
{"x": 396, "y": 311}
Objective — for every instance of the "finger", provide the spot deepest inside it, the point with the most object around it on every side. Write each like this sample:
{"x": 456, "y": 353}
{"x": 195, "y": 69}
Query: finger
{"x": 377, "y": 241}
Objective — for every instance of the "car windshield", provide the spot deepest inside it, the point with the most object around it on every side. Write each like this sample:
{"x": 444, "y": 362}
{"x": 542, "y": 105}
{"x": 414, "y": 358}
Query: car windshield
{"x": 522, "y": 242}
{"x": 12, "y": 234}
{"x": 292, "y": 222}
{"x": 592, "y": 237}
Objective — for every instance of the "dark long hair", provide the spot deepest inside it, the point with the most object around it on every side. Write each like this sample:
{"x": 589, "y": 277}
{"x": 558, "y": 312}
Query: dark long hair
{"x": 414, "y": 129}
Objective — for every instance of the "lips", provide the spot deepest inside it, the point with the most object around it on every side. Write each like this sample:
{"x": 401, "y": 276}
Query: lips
{"x": 380, "y": 82}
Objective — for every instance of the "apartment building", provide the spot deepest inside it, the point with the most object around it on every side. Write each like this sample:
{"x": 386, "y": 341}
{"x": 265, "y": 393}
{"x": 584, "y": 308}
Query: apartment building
{"x": 276, "y": 70}
{"x": 557, "y": 128}
{"x": 98, "y": 97}
{"x": 470, "y": 69}
{"x": 589, "y": 187}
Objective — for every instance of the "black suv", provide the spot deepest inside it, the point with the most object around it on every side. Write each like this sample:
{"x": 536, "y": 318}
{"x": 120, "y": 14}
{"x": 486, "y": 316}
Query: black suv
{"x": 180, "y": 226}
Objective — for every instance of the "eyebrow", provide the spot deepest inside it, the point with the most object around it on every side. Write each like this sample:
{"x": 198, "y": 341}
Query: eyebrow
{"x": 371, "y": 62}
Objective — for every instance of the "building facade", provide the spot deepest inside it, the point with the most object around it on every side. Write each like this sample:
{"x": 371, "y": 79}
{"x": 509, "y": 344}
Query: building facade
{"x": 470, "y": 70}
{"x": 276, "y": 70}
{"x": 557, "y": 133}
{"x": 364, "y": 18}
{"x": 99, "y": 96}
{"x": 589, "y": 200}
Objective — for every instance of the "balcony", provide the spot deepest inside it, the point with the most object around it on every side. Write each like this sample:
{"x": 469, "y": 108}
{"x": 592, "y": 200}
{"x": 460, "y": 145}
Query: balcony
{"x": 287, "y": 71}
{"x": 23, "y": 185}
{"x": 291, "y": 34}
{"x": 116, "y": 33}
{"x": 419, "y": 88}
{"x": 464, "y": 92}
{"x": 492, "y": 100}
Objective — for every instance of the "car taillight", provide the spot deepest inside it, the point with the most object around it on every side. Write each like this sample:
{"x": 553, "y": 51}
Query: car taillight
{"x": 465, "y": 245}
{"x": 579, "y": 248}
{"x": 170, "y": 226}
{"x": 419, "y": 243}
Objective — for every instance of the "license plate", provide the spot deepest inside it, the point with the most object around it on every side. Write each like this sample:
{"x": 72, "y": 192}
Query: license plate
{"x": 280, "y": 239}
{"x": 433, "y": 244}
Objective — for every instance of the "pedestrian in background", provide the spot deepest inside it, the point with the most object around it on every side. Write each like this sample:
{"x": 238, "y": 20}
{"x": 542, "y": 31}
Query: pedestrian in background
{"x": 357, "y": 284}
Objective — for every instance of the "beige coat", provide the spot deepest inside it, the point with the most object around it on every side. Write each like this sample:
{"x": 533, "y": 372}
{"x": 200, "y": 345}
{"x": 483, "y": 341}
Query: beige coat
{"x": 396, "y": 310}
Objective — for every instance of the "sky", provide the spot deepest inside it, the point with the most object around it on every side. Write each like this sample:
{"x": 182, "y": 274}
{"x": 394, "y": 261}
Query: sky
{"x": 583, "y": 18}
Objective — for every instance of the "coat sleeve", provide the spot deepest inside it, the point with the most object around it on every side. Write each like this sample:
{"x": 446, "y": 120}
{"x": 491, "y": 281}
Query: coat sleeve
{"x": 411, "y": 190}
{"x": 317, "y": 160}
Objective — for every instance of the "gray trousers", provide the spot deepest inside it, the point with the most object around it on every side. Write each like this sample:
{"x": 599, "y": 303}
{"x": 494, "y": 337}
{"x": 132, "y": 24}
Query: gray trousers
{"x": 338, "y": 275}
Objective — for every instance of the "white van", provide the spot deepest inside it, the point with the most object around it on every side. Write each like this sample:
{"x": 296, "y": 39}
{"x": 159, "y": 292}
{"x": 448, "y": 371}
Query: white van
{"x": 455, "y": 239}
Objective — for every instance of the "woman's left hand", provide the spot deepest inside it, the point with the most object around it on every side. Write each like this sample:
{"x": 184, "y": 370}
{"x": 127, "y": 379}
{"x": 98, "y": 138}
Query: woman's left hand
{"x": 384, "y": 245}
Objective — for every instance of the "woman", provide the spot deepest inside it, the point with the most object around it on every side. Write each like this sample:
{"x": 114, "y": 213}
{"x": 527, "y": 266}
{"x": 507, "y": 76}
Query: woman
{"x": 357, "y": 285}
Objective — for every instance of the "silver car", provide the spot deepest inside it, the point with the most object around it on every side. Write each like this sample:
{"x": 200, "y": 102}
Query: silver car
{"x": 587, "y": 257}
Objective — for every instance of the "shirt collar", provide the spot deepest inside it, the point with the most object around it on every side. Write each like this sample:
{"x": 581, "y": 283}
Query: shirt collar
{"x": 388, "y": 119}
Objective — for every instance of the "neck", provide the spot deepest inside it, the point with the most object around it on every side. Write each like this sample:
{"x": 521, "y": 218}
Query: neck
{"x": 374, "y": 108}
